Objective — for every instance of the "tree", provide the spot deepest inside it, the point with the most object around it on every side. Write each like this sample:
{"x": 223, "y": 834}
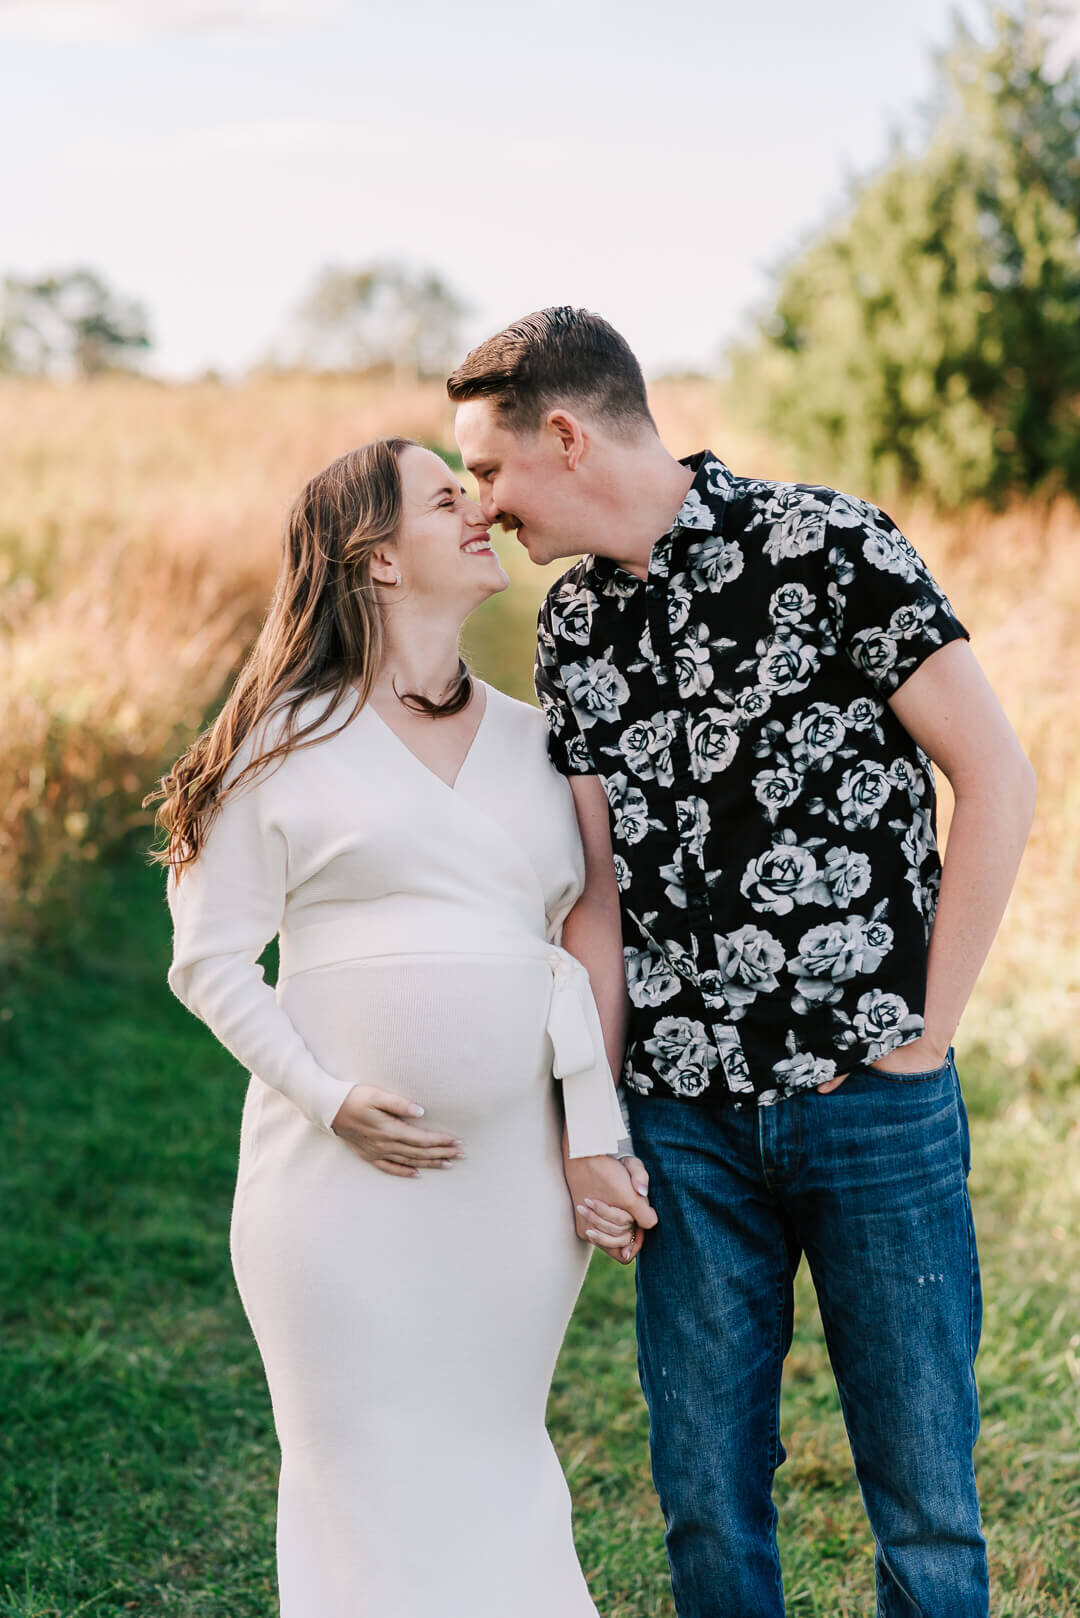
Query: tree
{"x": 931, "y": 340}
{"x": 68, "y": 323}
{"x": 382, "y": 315}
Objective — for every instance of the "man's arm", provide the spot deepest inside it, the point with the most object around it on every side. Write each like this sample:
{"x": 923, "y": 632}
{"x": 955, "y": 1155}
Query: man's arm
{"x": 948, "y": 706}
{"x": 592, "y": 933}
{"x": 950, "y": 709}
{"x": 593, "y": 930}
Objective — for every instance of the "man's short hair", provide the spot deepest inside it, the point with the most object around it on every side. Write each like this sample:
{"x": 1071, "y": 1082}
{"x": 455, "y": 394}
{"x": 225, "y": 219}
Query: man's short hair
{"x": 559, "y": 357}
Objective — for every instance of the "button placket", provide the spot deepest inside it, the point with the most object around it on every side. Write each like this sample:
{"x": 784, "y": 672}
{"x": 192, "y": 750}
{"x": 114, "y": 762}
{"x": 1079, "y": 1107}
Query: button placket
{"x": 698, "y": 908}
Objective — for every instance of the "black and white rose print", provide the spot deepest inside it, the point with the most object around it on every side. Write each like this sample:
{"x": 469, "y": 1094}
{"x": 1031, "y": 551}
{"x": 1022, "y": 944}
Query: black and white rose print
{"x": 596, "y": 689}
{"x": 682, "y": 1053}
{"x": 645, "y": 748}
{"x": 772, "y": 822}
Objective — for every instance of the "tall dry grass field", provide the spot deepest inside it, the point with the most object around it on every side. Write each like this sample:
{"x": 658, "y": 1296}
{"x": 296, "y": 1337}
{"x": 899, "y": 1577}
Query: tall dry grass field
{"x": 139, "y": 533}
{"x": 139, "y": 530}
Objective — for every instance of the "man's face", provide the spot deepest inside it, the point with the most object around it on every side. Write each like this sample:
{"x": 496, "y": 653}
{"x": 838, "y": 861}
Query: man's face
{"x": 524, "y": 482}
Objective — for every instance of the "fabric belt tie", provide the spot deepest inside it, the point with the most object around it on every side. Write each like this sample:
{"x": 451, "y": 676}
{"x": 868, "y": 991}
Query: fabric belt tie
{"x": 594, "y": 1123}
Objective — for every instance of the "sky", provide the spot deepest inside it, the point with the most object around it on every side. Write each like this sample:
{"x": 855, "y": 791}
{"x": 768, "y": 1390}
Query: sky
{"x": 650, "y": 161}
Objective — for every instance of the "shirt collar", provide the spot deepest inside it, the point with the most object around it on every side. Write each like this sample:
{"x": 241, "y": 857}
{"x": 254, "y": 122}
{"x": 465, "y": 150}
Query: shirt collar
{"x": 701, "y": 512}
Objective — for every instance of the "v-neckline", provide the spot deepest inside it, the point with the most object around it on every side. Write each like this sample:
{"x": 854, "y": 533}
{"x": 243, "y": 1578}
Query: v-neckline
{"x": 451, "y": 786}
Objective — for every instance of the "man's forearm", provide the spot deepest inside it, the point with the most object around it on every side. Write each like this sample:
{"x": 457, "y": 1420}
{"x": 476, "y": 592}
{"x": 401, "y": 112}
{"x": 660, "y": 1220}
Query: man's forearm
{"x": 592, "y": 933}
{"x": 990, "y": 824}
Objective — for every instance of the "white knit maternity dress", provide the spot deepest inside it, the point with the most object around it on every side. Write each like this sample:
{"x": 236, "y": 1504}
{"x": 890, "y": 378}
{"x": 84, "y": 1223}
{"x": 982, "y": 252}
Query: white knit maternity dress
{"x": 409, "y": 1327}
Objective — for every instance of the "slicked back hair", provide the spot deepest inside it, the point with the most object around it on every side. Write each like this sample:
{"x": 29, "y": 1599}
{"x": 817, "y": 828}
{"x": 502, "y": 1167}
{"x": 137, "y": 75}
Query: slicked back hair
{"x": 558, "y": 358}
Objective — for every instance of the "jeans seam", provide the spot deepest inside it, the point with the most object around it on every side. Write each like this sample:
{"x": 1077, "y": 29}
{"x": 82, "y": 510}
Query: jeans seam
{"x": 774, "y": 1430}
{"x": 969, "y": 1236}
{"x": 970, "y": 1230}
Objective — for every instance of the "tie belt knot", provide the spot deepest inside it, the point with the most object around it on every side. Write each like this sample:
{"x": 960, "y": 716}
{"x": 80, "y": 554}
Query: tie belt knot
{"x": 593, "y": 1119}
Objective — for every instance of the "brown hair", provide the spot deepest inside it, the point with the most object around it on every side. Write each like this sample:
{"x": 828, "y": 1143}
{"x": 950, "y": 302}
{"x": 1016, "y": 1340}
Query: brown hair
{"x": 323, "y": 635}
{"x": 555, "y": 357}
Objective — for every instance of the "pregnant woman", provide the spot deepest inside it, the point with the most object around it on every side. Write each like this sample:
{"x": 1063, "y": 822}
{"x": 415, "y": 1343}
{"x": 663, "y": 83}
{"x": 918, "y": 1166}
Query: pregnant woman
{"x": 397, "y": 823}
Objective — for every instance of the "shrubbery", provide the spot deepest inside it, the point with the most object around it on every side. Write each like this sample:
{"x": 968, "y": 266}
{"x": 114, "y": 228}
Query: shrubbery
{"x": 931, "y": 341}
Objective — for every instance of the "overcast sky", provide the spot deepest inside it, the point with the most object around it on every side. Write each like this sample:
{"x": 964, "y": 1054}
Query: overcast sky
{"x": 647, "y": 160}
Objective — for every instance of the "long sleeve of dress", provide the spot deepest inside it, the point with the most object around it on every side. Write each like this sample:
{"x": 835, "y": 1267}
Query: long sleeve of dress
{"x": 226, "y": 907}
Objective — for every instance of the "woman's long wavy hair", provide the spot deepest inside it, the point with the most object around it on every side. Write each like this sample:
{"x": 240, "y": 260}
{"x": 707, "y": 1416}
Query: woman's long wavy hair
{"x": 322, "y": 635}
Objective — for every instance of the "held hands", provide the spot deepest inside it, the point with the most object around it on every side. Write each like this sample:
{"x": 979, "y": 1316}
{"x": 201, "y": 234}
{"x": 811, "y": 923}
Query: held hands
{"x": 611, "y": 1203}
{"x": 373, "y": 1123}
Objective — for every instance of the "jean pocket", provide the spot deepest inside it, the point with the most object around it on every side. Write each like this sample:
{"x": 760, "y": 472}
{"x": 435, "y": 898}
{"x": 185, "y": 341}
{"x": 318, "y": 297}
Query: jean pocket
{"x": 922, "y": 1076}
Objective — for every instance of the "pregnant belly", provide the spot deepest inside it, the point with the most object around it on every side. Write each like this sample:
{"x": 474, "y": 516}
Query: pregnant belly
{"x": 463, "y": 1035}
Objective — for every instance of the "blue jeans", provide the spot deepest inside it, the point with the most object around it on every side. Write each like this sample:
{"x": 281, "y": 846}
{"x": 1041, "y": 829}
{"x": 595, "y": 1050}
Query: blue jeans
{"x": 870, "y": 1182}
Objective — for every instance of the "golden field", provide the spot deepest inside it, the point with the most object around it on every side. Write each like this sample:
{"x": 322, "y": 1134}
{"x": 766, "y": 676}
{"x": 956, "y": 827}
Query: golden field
{"x": 139, "y": 529}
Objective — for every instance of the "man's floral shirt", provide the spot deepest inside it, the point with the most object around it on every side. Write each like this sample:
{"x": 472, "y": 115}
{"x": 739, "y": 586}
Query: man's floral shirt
{"x": 773, "y": 823}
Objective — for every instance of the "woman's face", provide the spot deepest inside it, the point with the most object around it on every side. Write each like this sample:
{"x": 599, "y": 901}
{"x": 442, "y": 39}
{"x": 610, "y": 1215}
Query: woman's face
{"x": 443, "y": 550}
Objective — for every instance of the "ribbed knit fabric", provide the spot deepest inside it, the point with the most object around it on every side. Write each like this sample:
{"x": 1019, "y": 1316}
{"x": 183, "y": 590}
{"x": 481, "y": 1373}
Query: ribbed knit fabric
{"x": 409, "y": 1328}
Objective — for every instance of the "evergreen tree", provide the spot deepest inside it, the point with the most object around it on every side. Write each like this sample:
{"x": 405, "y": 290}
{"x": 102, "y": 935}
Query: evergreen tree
{"x": 932, "y": 340}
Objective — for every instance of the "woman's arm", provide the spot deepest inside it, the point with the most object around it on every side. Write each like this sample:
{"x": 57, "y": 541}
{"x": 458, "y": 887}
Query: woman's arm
{"x": 226, "y": 907}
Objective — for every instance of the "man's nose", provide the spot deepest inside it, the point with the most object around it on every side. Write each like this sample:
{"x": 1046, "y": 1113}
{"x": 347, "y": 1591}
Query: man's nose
{"x": 488, "y": 509}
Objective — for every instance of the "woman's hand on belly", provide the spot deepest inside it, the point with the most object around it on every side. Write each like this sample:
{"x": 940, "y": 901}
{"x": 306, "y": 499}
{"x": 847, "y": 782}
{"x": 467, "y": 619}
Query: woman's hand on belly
{"x": 377, "y": 1125}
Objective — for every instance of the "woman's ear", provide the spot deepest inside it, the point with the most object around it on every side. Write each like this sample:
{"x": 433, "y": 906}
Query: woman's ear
{"x": 384, "y": 569}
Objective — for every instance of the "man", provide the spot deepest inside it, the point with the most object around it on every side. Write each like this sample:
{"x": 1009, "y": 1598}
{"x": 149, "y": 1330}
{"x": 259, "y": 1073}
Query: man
{"x": 745, "y": 683}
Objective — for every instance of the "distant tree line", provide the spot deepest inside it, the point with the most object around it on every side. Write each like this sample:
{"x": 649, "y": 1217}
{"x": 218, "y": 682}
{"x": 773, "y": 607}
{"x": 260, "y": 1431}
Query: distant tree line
{"x": 930, "y": 341}
{"x": 380, "y": 317}
{"x": 68, "y": 323}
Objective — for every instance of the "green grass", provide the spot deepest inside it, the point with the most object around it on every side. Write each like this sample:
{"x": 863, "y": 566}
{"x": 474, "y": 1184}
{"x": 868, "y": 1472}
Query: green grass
{"x": 138, "y": 1461}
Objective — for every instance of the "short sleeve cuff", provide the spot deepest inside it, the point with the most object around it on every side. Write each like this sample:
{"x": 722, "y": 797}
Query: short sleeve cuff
{"x": 890, "y": 655}
{"x": 947, "y": 628}
{"x": 890, "y": 611}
